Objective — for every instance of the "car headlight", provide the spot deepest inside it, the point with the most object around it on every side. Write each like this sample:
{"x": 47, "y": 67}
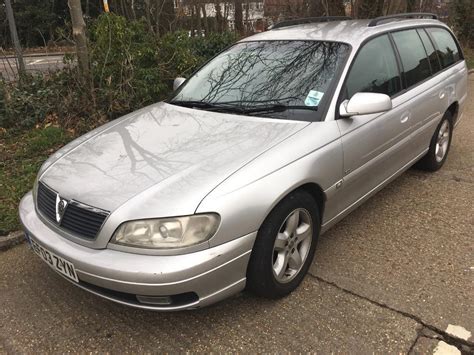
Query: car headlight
{"x": 167, "y": 233}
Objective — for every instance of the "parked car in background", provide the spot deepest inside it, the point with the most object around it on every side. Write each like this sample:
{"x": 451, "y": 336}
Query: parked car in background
{"x": 231, "y": 181}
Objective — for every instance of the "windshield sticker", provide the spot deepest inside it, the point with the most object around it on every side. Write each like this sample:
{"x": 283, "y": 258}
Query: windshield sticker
{"x": 313, "y": 98}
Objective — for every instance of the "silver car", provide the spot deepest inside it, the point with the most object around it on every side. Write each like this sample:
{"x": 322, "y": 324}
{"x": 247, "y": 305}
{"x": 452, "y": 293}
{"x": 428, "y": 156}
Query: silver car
{"x": 230, "y": 182}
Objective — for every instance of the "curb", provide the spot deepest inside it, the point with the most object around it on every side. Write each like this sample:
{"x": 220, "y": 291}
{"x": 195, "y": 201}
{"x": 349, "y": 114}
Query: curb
{"x": 12, "y": 239}
{"x": 26, "y": 55}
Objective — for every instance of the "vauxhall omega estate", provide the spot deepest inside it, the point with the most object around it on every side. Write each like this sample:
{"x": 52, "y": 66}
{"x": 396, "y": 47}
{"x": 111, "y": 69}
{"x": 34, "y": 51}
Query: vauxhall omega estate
{"x": 230, "y": 182}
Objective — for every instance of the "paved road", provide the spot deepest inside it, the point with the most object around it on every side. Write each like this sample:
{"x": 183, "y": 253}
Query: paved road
{"x": 33, "y": 63}
{"x": 396, "y": 276}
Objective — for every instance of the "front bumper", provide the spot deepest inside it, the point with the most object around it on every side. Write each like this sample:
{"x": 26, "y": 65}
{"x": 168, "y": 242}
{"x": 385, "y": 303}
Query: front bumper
{"x": 209, "y": 275}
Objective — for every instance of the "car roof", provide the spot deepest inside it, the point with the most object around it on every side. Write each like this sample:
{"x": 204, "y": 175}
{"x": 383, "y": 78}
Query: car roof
{"x": 350, "y": 31}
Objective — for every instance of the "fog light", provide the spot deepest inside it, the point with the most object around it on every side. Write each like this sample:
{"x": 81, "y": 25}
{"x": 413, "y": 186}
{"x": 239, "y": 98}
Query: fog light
{"x": 155, "y": 300}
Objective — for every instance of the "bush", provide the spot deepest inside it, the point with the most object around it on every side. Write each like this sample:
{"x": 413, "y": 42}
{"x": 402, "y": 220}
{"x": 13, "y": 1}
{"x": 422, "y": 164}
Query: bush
{"x": 181, "y": 54}
{"x": 130, "y": 68}
{"x": 462, "y": 19}
{"x": 125, "y": 70}
{"x": 37, "y": 97}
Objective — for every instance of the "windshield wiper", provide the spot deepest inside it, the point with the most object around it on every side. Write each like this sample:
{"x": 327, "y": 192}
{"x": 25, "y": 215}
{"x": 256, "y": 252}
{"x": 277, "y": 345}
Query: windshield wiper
{"x": 224, "y": 107}
{"x": 228, "y": 107}
{"x": 189, "y": 103}
{"x": 277, "y": 108}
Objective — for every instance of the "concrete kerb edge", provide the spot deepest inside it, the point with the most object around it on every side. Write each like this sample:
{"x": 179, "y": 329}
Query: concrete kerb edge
{"x": 12, "y": 239}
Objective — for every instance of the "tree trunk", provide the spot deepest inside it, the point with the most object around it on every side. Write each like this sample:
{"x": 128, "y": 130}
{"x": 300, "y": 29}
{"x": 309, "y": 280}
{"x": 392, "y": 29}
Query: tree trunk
{"x": 247, "y": 17}
{"x": 132, "y": 7}
{"x": 411, "y": 5}
{"x": 79, "y": 34}
{"x": 168, "y": 16}
{"x": 197, "y": 10}
{"x": 395, "y": 7}
{"x": 369, "y": 8}
{"x": 315, "y": 8}
{"x": 148, "y": 15}
{"x": 193, "y": 21}
{"x": 238, "y": 17}
{"x": 204, "y": 18}
{"x": 14, "y": 37}
{"x": 336, "y": 8}
{"x": 159, "y": 6}
{"x": 218, "y": 16}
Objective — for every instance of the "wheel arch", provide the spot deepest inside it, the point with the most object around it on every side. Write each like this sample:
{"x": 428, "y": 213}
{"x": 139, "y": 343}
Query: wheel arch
{"x": 318, "y": 194}
{"x": 453, "y": 109}
{"x": 311, "y": 188}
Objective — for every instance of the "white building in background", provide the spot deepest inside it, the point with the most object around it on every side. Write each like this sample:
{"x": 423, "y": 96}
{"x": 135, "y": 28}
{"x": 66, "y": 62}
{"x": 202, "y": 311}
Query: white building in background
{"x": 252, "y": 12}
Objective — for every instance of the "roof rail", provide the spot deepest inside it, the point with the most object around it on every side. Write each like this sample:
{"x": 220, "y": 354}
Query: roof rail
{"x": 302, "y": 21}
{"x": 376, "y": 20}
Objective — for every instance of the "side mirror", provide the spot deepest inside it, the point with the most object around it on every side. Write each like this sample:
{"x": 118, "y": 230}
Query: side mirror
{"x": 177, "y": 83}
{"x": 365, "y": 103}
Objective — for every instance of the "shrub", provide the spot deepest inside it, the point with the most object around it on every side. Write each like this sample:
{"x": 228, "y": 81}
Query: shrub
{"x": 130, "y": 69}
{"x": 126, "y": 73}
{"x": 36, "y": 97}
{"x": 181, "y": 54}
{"x": 207, "y": 47}
{"x": 26, "y": 103}
{"x": 461, "y": 20}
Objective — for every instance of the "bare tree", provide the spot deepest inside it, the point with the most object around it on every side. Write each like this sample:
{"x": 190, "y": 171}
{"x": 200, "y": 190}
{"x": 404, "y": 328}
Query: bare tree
{"x": 219, "y": 21}
{"x": 335, "y": 7}
{"x": 238, "y": 16}
{"x": 79, "y": 34}
{"x": 411, "y": 5}
{"x": 325, "y": 7}
{"x": 197, "y": 11}
{"x": 369, "y": 8}
{"x": 204, "y": 18}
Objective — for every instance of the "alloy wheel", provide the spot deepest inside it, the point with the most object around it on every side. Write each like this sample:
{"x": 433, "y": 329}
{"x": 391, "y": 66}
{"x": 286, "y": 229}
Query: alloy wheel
{"x": 292, "y": 245}
{"x": 442, "y": 142}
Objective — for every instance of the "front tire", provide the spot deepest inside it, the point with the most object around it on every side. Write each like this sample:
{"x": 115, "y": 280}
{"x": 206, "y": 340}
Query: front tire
{"x": 285, "y": 246}
{"x": 439, "y": 145}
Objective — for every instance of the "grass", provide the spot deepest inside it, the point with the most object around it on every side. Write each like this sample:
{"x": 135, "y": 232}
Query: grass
{"x": 21, "y": 155}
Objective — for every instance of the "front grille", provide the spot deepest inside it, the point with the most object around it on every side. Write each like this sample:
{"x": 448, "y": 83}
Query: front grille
{"x": 46, "y": 201}
{"x": 83, "y": 221}
{"x": 79, "y": 219}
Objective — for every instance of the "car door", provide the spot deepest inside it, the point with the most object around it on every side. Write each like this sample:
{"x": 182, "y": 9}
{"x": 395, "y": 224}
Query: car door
{"x": 424, "y": 92}
{"x": 375, "y": 146}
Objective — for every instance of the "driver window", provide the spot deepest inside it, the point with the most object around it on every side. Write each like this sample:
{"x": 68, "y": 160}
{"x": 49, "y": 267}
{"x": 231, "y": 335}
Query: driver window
{"x": 374, "y": 69}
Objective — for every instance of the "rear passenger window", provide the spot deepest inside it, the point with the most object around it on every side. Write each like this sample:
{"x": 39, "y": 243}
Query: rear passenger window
{"x": 374, "y": 69}
{"x": 448, "y": 51}
{"x": 431, "y": 51}
{"x": 412, "y": 53}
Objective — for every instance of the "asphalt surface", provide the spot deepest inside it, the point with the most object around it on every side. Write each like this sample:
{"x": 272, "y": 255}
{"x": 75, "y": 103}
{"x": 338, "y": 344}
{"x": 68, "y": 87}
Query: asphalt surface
{"x": 396, "y": 276}
{"x": 33, "y": 63}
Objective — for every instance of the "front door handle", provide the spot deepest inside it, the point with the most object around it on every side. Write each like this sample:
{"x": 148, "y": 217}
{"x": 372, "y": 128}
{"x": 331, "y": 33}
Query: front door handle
{"x": 442, "y": 94}
{"x": 404, "y": 118}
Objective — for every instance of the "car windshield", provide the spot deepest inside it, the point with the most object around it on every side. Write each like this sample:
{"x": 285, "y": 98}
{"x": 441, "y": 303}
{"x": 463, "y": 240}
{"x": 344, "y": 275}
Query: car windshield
{"x": 281, "y": 79}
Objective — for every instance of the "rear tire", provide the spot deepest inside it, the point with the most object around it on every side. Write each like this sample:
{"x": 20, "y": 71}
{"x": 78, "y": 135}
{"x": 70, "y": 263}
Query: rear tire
{"x": 284, "y": 247}
{"x": 439, "y": 145}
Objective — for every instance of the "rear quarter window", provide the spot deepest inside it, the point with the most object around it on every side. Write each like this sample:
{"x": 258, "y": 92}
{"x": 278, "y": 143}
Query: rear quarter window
{"x": 416, "y": 66}
{"x": 448, "y": 51}
{"x": 430, "y": 50}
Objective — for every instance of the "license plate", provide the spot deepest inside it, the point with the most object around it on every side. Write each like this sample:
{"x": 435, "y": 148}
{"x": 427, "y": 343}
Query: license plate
{"x": 56, "y": 262}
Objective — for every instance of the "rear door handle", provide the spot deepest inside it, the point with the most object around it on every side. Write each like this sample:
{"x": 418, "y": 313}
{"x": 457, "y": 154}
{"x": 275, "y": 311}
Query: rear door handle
{"x": 442, "y": 94}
